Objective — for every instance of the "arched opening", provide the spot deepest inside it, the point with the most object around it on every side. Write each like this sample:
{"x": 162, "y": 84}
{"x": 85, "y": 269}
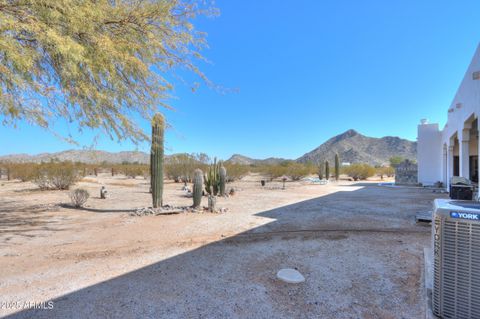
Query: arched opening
{"x": 456, "y": 155}
{"x": 473, "y": 148}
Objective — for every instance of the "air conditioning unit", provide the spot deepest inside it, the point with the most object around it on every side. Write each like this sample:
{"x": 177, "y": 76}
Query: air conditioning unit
{"x": 456, "y": 253}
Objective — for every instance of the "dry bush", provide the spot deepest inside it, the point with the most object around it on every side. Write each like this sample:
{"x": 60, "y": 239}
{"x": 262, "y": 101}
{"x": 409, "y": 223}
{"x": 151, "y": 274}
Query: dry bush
{"x": 181, "y": 167}
{"x": 55, "y": 175}
{"x": 288, "y": 168}
{"x": 273, "y": 171}
{"x": 79, "y": 197}
{"x": 385, "y": 170}
{"x": 24, "y": 172}
{"x": 134, "y": 170}
{"x": 296, "y": 170}
{"x": 236, "y": 171}
{"x": 359, "y": 171}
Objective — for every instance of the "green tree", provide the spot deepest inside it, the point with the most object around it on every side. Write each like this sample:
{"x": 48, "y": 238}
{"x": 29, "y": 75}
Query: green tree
{"x": 385, "y": 170}
{"x": 395, "y": 161}
{"x": 94, "y": 62}
{"x": 337, "y": 167}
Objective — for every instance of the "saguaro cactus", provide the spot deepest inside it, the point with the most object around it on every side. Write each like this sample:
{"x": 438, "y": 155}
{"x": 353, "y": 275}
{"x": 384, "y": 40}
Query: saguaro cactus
{"x": 321, "y": 170}
{"x": 223, "y": 180}
{"x": 327, "y": 170}
{"x": 197, "y": 187}
{"x": 212, "y": 178}
{"x": 156, "y": 160}
{"x": 337, "y": 167}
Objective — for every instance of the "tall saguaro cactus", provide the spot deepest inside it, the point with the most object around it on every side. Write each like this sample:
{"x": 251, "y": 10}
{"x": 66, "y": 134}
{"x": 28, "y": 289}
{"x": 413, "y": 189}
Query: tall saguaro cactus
{"x": 197, "y": 187}
{"x": 321, "y": 170}
{"x": 156, "y": 160}
{"x": 223, "y": 180}
{"x": 337, "y": 167}
{"x": 327, "y": 170}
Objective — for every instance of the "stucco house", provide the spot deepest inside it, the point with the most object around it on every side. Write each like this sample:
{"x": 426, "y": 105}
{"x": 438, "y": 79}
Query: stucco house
{"x": 453, "y": 151}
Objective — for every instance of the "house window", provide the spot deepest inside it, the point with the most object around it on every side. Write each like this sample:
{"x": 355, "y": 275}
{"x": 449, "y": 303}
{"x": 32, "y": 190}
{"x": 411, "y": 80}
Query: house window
{"x": 476, "y": 75}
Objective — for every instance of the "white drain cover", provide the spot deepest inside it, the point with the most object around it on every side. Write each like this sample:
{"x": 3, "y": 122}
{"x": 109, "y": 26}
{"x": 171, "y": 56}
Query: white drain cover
{"x": 290, "y": 275}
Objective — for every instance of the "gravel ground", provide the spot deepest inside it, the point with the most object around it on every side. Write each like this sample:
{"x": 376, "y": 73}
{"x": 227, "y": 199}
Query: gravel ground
{"x": 357, "y": 245}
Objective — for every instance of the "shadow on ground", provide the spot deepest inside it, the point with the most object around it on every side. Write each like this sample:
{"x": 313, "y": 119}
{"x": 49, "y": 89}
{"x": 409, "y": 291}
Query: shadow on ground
{"x": 361, "y": 259}
{"x": 27, "y": 219}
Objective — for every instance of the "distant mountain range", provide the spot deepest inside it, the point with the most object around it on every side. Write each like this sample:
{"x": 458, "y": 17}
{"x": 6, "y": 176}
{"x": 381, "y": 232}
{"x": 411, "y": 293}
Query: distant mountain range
{"x": 351, "y": 146}
{"x": 84, "y": 156}
{"x": 244, "y": 160}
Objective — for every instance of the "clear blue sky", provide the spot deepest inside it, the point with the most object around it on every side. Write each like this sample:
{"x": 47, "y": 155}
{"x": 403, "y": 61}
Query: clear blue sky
{"x": 307, "y": 70}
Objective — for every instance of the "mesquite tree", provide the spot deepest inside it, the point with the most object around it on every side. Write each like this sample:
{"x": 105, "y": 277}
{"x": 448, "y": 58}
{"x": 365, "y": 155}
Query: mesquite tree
{"x": 98, "y": 63}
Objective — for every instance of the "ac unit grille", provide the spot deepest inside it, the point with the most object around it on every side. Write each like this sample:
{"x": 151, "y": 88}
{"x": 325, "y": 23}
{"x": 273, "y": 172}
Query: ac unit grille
{"x": 456, "y": 279}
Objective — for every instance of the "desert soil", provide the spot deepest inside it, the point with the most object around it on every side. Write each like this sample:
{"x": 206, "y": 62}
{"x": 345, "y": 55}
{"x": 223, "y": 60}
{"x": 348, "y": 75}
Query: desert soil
{"x": 357, "y": 244}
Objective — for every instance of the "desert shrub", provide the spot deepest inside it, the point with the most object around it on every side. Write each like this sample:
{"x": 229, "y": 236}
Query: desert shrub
{"x": 273, "y": 171}
{"x": 296, "y": 171}
{"x": 359, "y": 171}
{"x": 134, "y": 170}
{"x": 287, "y": 168}
{"x": 23, "y": 171}
{"x": 55, "y": 175}
{"x": 385, "y": 170}
{"x": 236, "y": 171}
{"x": 79, "y": 197}
{"x": 181, "y": 167}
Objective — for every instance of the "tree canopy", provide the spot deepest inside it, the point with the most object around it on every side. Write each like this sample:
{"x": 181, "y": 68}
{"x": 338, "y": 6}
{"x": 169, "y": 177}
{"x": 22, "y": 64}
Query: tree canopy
{"x": 97, "y": 63}
{"x": 396, "y": 160}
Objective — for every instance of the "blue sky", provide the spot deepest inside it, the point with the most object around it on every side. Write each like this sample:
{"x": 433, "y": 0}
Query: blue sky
{"x": 305, "y": 71}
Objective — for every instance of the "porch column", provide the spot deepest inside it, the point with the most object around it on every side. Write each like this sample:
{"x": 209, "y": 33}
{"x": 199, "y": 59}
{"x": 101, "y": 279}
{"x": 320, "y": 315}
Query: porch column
{"x": 464, "y": 153}
{"x": 449, "y": 165}
{"x": 445, "y": 165}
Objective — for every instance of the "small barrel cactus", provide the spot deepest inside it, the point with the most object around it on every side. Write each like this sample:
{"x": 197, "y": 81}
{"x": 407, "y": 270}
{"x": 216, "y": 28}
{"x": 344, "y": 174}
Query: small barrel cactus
{"x": 197, "y": 187}
{"x": 156, "y": 160}
{"x": 223, "y": 180}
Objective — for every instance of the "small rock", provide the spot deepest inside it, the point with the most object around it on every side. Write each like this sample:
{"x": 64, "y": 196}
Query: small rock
{"x": 290, "y": 276}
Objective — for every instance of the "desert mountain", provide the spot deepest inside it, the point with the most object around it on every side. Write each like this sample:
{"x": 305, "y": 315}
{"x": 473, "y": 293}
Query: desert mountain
{"x": 84, "y": 156}
{"x": 353, "y": 147}
{"x": 244, "y": 160}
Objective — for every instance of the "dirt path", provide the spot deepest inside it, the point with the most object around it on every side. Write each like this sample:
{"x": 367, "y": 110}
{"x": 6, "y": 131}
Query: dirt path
{"x": 356, "y": 244}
